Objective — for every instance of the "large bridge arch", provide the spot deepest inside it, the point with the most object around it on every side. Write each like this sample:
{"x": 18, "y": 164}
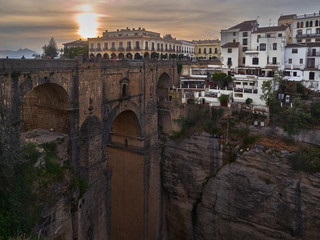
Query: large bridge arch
{"x": 47, "y": 106}
{"x": 126, "y": 161}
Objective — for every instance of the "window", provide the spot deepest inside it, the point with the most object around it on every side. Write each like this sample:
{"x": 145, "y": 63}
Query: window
{"x": 137, "y": 45}
{"x": 245, "y": 41}
{"x": 258, "y": 37}
{"x": 121, "y": 45}
{"x": 229, "y": 61}
{"x": 263, "y": 46}
{"x": 91, "y": 46}
{"x": 245, "y": 34}
{"x": 244, "y": 60}
{"x": 294, "y": 74}
{"x": 298, "y": 25}
{"x": 244, "y": 49}
{"x": 311, "y": 75}
{"x": 294, "y": 50}
{"x": 199, "y": 51}
{"x": 274, "y": 60}
{"x": 229, "y": 50}
{"x": 301, "y": 61}
{"x": 158, "y": 46}
{"x": 301, "y": 24}
{"x": 307, "y": 24}
{"x": 152, "y": 46}
{"x": 113, "y": 45}
{"x": 311, "y": 23}
{"x": 216, "y": 50}
{"x": 290, "y": 60}
{"x": 105, "y": 46}
{"x": 299, "y": 33}
{"x": 210, "y": 50}
{"x": 316, "y": 23}
{"x": 255, "y": 61}
{"x": 279, "y": 34}
{"x": 318, "y": 31}
{"x": 99, "y": 46}
{"x": 268, "y": 35}
{"x": 274, "y": 46}
{"x": 234, "y": 33}
{"x": 204, "y": 50}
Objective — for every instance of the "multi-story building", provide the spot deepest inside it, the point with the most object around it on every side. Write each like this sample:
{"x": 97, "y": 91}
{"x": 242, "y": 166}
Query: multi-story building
{"x": 287, "y": 20}
{"x": 306, "y": 28}
{"x": 239, "y": 35}
{"x": 302, "y": 64}
{"x": 248, "y": 49}
{"x": 136, "y": 44}
{"x": 207, "y": 49}
{"x": 267, "y": 50}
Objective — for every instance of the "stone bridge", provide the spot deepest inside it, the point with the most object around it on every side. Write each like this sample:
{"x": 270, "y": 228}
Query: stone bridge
{"x": 109, "y": 111}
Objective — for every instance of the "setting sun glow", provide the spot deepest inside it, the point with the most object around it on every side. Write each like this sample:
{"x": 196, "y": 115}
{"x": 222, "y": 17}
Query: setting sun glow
{"x": 87, "y": 21}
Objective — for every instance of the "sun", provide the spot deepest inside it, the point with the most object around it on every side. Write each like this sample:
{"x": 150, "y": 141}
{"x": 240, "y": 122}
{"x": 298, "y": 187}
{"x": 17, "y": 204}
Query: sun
{"x": 88, "y": 24}
{"x": 87, "y": 20}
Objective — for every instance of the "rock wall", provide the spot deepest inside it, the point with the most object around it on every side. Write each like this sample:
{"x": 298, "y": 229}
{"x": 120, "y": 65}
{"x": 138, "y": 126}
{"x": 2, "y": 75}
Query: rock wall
{"x": 258, "y": 196}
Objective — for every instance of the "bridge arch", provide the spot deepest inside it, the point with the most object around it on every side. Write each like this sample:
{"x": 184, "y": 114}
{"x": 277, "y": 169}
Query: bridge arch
{"x": 47, "y": 106}
{"x": 163, "y": 86}
{"x": 126, "y": 161}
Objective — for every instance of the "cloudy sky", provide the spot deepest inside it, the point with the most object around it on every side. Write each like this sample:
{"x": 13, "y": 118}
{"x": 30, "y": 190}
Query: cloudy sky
{"x": 31, "y": 23}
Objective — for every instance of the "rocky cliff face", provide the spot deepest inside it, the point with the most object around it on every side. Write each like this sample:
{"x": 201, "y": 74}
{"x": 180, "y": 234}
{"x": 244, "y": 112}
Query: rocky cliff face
{"x": 258, "y": 196}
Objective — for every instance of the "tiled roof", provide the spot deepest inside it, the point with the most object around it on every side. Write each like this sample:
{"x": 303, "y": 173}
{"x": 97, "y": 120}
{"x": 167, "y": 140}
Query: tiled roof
{"x": 271, "y": 29}
{"x": 245, "y": 26}
{"x": 283, "y": 17}
{"x": 77, "y": 42}
{"x": 231, "y": 45}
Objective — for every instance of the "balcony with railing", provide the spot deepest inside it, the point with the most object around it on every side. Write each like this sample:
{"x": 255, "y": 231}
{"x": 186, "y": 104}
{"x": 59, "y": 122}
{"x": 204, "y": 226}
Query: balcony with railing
{"x": 136, "y": 48}
{"x": 313, "y": 54}
{"x": 121, "y": 48}
{"x": 128, "y": 48}
{"x": 310, "y": 35}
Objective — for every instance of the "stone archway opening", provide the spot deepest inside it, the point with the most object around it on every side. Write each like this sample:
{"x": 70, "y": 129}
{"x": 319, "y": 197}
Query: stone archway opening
{"x": 129, "y": 56}
{"x": 127, "y": 182}
{"x": 47, "y": 106}
{"x": 137, "y": 56}
{"x": 146, "y": 55}
{"x": 113, "y": 56}
{"x": 121, "y": 56}
{"x": 99, "y": 56}
{"x": 106, "y": 56}
{"x": 163, "y": 87}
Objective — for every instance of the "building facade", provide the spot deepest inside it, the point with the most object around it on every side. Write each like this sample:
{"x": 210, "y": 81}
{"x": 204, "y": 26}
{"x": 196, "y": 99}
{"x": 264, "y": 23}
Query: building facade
{"x": 207, "y": 49}
{"x": 306, "y": 28}
{"x": 137, "y": 44}
{"x": 302, "y": 64}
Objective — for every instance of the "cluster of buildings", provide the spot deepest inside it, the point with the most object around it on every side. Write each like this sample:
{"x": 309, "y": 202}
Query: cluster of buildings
{"x": 246, "y": 51}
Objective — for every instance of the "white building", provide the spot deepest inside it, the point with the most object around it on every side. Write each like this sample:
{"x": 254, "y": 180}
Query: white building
{"x": 302, "y": 64}
{"x": 248, "y": 49}
{"x": 306, "y": 28}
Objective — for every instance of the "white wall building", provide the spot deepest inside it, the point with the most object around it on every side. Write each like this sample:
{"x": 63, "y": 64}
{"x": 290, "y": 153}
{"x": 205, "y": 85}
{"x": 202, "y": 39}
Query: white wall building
{"x": 302, "y": 64}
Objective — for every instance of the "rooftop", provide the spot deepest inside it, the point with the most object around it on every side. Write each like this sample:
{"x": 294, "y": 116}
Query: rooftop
{"x": 284, "y": 17}
{"x": 245, "y": 26}
{"x": 231, "y": 45}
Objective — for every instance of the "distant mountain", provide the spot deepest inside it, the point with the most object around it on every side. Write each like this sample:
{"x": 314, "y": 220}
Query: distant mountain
{"x": 27, "y": 53}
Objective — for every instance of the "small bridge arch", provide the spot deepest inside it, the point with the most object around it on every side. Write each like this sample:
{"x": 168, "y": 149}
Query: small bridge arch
{"x": 163, "y": 86}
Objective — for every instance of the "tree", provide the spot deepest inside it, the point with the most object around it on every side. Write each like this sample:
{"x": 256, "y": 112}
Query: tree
{"x": 221, "y": 79}
{"x": 50, "y": 50}
{"x": 295, "y": 118}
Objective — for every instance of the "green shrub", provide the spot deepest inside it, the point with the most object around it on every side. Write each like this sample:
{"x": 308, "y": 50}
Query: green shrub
{"x": 307, "y": 160}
